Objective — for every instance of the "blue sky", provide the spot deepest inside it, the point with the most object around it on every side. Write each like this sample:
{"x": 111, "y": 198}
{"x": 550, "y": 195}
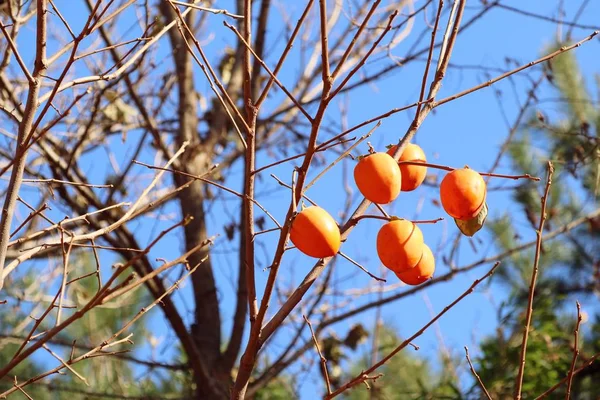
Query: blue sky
{"x": 466, "y": 131}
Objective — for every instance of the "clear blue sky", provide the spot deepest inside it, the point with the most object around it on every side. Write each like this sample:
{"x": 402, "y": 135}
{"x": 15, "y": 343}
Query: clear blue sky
{"x": 467, "y": 131}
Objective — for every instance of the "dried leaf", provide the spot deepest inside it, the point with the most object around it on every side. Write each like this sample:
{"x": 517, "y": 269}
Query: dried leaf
{"x": 471, "y": 226}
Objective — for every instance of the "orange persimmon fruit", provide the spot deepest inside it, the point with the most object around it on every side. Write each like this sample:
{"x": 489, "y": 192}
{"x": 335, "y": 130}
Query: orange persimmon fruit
{"x": 422, "y": 271}
{"x": 463, "y": 193}
{"x": 412, "y": 175}
{"x": 378, "y": 178}
{"x": 315, "y": 233}
{"x": 400, "y": 245}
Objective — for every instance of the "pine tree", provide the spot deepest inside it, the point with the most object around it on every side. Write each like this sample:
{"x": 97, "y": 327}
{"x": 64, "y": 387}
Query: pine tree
{"x": 570, "y": 264}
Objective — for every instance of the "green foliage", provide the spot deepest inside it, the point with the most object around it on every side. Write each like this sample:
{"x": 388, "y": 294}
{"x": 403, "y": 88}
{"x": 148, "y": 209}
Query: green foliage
{"x": 23, "y": 371}
{"x": 548, "y": 357}
{"x": 278, "y": 389}
{"x": 404, "y": 376}
{"x": 568, "y": 265}
{"x": 106, "y": 374}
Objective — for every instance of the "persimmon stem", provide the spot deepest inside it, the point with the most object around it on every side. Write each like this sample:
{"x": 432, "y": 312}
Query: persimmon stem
{"x": 447, "y": 168}
{"x": 393, "y": 217}
{"x": 362, "y": 268}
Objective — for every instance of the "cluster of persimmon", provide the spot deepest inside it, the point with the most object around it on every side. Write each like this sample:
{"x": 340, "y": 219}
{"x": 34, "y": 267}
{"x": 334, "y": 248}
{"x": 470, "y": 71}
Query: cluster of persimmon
{"x": 400, "y": 243}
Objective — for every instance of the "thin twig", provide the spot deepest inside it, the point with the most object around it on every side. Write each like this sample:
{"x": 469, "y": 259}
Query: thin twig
{"x": 586, "y": 364}
{"x": 514, "y": 71}
{"x": 25, "y": 128}
{"x": 273, "y": 76}
{"x": 575, "y": 351}
{"x": 326, "y": 74}
{"x": 66, "y": 183}
{"x": 319, "y": 148}
{"x": 430, "y": 54}
{"x": 67, "y": 366}
{"x": 536, "y": 260}
{"x": 446, "y": 168}
{"x": 393, "y": 217}
{"x": 341, "y": 157}
{"x": 210, "y": 10}
{"x": 361, "y": 377}
{"x": 29, "y": 218}
{"x": 63, "y": 288}
{"x": 269, "y": 84}
{"x": 318, "y": 268}
{"x": 361, "y": 267}
{"x": 323, "y": 359}
{"x": 485, "y": 391}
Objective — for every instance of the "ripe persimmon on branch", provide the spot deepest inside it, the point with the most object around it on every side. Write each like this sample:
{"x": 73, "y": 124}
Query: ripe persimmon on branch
{"x": 136, "y": 137}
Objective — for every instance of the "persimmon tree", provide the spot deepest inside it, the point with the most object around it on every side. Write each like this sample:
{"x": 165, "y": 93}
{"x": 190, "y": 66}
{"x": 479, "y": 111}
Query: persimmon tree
{"x": 137, "y": 134}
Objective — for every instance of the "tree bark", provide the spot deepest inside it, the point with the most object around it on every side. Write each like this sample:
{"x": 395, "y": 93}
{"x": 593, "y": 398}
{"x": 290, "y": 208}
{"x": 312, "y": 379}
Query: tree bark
{"x": 206, "y": 329}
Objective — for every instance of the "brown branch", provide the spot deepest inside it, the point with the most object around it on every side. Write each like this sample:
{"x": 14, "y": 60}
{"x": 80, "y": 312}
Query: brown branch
{"x": 536, "y": 260}
{"x": 259, "y": 44}
{"x": 361, "y": 377}
{"x": 531, "y": 96}
{"x": 124, "y": 357}
{"x": 341, "y": 156}
{"x": 446, "y": 168}
{"x": 485, "y": 391}
{"x": 255, "y": 339}
{"x": 586, "y": 364}
{"x": 519, "y": 69}
{"x": 262, "y": 63}
{"x": 363, "y": 60}
{"x": 318, "y": 268}
{"x": 25, "y": 129}
{"x": 361, "y": 267}
{"x": 325, "y": 72}
{"x": 31, "y": 216}
{"x": 357, "y": 35}
{"x": 446, "y": 277}
{"x": 16, "y": 53}
{"x": 545, "y": 18}
{"x": 65, "y": 258}
{"x": 106, "y": 343}
{"x": 321, "y": 357}
{"x": 355, "y": 221}
{"x": 210, "y": 74}
{"x": 293, "y": 188}
{"x": 16, "y": 385}
{"x": 575, "y": 351}
{"x": 66, "y": 365}
{"x": 65, "y": 222}
{"x": 286, "y": 51}
{"x": 63, "y": 20}
{"x": 320, "y": 148}
{"x": 430, "y": 55}
{"x": 58, "y": 181}
{"x": 210, "y": 10}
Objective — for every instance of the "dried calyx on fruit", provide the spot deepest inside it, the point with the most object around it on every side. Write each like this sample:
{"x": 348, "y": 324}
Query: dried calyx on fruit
{"x": 471, "y": 226}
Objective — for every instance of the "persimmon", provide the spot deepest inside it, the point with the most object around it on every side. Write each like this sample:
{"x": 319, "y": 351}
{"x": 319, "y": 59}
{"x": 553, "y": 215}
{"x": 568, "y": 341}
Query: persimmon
{"x": 422, "y": 271}
{"x": 400, "y": 245}
{"x": 315, "y": 233}
{"x": 462, "y": 193}
{"x": 412, "y": 175}
{"x": 378, "y": 178}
